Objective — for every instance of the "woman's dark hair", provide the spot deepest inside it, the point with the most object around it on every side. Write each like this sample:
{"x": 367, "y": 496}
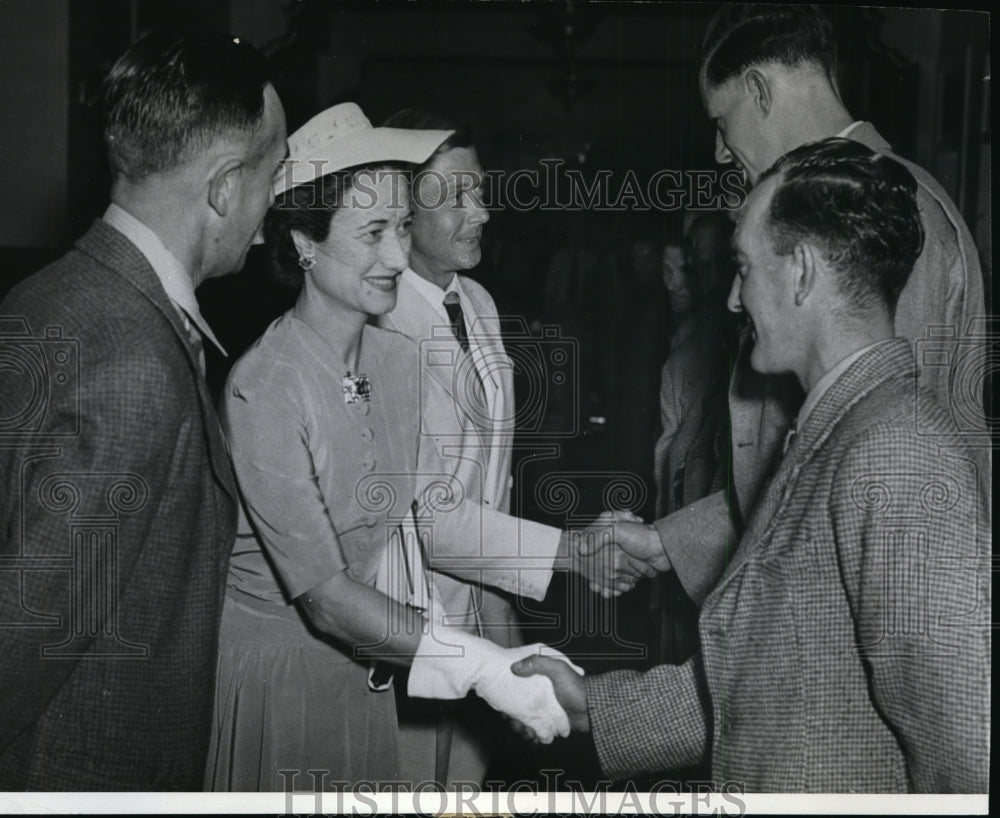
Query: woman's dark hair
{"x": 308, "y": 209}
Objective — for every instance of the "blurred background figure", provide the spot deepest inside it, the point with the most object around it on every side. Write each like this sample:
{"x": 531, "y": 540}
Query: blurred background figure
{"x": 569, "y": 301}
{"x": 673, "y": 266}
{"x": 691, "y": 456}
{"x": 633, "y": 356}
{"x": 688, "y": 461}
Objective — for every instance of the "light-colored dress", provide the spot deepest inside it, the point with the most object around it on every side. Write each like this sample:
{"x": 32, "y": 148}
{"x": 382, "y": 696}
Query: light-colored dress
{"x": 322, "y": 482}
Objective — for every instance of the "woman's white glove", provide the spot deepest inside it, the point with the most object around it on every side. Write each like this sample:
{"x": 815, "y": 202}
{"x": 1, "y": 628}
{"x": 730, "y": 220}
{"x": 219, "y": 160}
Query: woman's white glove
{"x": 449, "y": 663}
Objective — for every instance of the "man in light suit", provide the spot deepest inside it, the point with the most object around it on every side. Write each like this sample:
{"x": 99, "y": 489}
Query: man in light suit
{"x": 847, "y": 646}
{"x": 467, "y": 435}
{"x": 117, "y": 499}
{"x": 768, "y": 82}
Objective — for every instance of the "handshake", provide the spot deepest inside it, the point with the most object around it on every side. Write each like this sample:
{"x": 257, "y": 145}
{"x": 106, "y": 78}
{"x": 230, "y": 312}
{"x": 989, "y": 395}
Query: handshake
{"x": 450, "y": 663}
{"x": 612, "y": 553}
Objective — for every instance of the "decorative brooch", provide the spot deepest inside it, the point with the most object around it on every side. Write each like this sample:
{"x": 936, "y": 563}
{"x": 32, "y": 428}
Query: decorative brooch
{"x": 356, "y": 388}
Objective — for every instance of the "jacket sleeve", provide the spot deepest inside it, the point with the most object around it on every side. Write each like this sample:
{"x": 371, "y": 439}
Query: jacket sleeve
{"x": 698, "y": 540}
{"x": 471, "y": 540}
{"x": 645, "y": 722}
{"x": 479, "y": 544}
{"x": 102, "y": 455}
{"x": 911, "y": 534}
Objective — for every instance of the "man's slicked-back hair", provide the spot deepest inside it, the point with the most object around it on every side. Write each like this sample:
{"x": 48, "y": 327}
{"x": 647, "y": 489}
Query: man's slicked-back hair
{"x": 858, "y": 207}
{"x": 414, "y": 120}
{"x": 743, "y": 35}
{"x": 173, "y": 93}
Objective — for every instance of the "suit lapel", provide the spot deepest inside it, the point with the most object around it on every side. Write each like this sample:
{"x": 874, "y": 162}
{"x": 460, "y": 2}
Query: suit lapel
{"x": 889, "y": 360}
{"x": 484, "y": 346}
{"x": 112, "y": 250}
{"x": 495, "y": 371}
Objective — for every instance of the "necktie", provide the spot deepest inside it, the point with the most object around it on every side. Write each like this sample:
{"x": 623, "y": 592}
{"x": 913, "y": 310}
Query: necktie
{"x": 454, "y": 309}
{"x": 471, "y": 393}
{"x": 194, "y": 336}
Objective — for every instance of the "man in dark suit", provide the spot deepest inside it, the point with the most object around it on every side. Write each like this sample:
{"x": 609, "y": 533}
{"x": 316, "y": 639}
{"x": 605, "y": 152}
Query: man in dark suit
{"x": 117, "y": 501}
{"x": 847, "y": 645}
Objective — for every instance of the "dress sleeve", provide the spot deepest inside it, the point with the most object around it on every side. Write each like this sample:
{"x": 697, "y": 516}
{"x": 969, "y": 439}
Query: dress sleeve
{"x": 280, "y": 488}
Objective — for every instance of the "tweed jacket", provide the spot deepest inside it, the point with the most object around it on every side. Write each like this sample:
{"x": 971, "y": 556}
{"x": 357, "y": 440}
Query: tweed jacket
{"x": 472, "y": 445}
{"x": 943, "y": 295}
{"x": 847, "y": 646}
{"x": 117, "y": 514}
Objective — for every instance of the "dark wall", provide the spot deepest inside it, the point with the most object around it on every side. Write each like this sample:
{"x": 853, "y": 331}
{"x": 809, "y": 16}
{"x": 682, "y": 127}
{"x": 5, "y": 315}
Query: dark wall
{"x": 595, "y": 85}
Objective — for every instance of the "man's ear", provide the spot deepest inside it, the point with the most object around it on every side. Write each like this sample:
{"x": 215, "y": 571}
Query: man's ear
{"x": 759, "y": 89}
{"x": 805, "y": 261}
{"x": 223, "y": 185}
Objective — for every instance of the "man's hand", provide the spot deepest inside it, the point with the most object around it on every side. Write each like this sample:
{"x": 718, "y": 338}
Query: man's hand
{"x": 592, "y": 553}
{"x": 568, "y": 686}
{"x": 641, "y": 544}
{"x": 528, "y": 702}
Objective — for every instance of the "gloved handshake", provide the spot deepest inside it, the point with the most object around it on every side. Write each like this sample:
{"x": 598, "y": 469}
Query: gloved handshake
{"x": 449, "y": 663}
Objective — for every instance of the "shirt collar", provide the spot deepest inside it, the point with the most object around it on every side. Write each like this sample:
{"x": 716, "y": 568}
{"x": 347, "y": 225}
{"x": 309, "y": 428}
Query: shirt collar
{"x": 823, "y": 384}
{"x": 844, "y": 133}
{"x": 173, "y": 277}
{"x": 432, "y": 293}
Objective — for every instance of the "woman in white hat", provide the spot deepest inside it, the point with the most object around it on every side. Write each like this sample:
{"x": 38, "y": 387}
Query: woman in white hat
{"x": 323, "y": 419}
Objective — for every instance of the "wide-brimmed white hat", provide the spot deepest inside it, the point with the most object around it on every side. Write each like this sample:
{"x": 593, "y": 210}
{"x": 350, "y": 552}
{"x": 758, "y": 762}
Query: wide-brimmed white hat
{"x": 342, "y": 137}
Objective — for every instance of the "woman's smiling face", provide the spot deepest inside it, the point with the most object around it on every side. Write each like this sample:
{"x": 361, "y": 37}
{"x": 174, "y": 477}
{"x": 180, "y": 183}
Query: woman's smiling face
{"x": 368, "y": 247}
